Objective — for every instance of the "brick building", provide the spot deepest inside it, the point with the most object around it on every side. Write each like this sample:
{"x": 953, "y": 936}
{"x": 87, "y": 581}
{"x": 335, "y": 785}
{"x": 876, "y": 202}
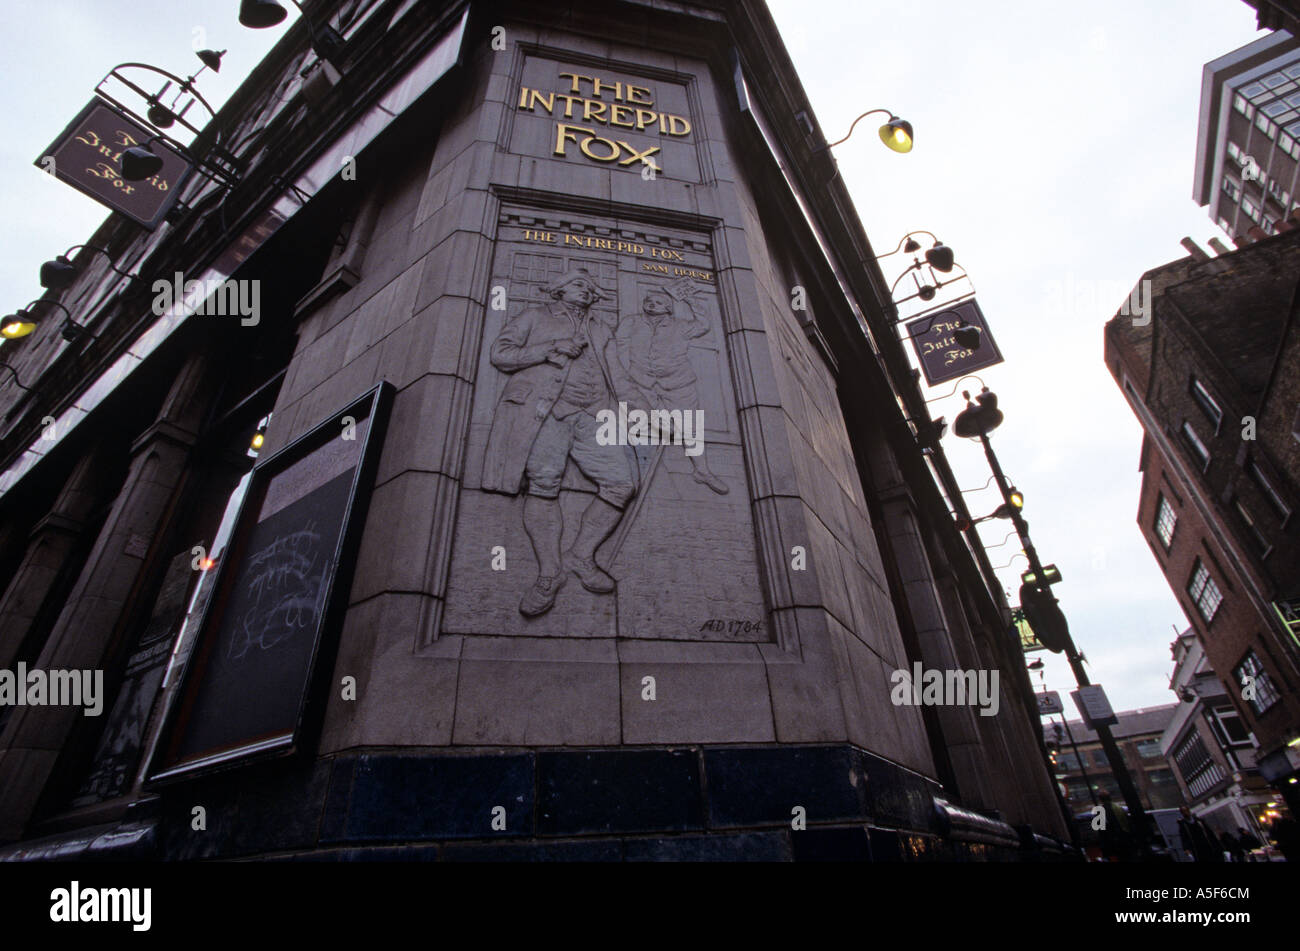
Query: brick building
{"x": 1138, "y": 735}
{"x": 1211, "y": 750}
{"x": 1214, "y": 379}
{"x": 479, "y": 630}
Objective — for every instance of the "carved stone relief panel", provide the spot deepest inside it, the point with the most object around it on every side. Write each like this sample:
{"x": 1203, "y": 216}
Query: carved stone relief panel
{"x": 605, "y": 492}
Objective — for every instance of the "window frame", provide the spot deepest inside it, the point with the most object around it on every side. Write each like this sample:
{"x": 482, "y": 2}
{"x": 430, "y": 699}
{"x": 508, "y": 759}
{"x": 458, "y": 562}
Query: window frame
{"x": 1208, "y": 404}
{"x": 1196, "y": 592}
{"x": 1262, "y": 679}
{"x": 1163, "y": 506}
{"x": 1262, "y": 544}
{"x": 1199, "y": 449}
{"x": 1271, "y": 495}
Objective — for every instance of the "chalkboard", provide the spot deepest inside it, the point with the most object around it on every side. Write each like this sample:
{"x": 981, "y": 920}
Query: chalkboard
{"x": 248, "y": 688}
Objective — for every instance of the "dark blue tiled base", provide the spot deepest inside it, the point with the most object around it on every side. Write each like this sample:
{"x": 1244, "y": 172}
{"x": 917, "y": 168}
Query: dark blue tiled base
{"x": 711, "y": 804}
{"x": 623, "y": 791}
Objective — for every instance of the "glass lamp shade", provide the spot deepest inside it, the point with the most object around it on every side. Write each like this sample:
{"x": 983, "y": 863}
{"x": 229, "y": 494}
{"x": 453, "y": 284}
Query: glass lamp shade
{"x": 259, "y": 14}
{"x": 897, "y": 134}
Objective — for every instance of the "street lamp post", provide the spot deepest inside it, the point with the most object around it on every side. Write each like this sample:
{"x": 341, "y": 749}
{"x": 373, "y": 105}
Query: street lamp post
{"x": 980, "y": 421}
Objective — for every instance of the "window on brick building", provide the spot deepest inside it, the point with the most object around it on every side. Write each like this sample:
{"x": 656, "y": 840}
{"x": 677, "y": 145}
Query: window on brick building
{"x": 1200, "y": 772}
{"x": 1166, "y": 520}
{"x": 1148, "y": 748}
{"x": 1204, "y": 592}
{"x": 1229, "y": 722}
{"x": 1282, "y": 510}
{"x": 1257, "y": 539}
{"x": 1250, "y": 673}
{"x": 1198, "y": 448}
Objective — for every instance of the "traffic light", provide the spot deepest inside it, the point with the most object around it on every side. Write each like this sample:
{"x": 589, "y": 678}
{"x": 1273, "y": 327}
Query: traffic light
{"x": 1045, "y": 617}
{"x": 1016, "y": 499}
{"x": 1051, "y": 575}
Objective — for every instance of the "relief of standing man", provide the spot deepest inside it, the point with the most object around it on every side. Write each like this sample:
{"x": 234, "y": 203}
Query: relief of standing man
{"x": 564, "y": 369}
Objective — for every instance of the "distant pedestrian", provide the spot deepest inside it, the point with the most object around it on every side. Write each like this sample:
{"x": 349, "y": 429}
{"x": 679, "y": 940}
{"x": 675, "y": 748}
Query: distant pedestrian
{"x": 1231, "y": 846}
{"x": 1116, "y": 836}
{"x": 1246, "y": 844}
{"x": 1198, "y": 838}
{"x": 1286, "y": 833}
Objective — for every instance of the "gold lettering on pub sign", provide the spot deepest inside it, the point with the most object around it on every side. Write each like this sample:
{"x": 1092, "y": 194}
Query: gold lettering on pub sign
{"x": 668, "y": 260}
{"x": 113, "y": 152}
{"x": 628, "y": 107}
{"x": 947, "y": 344}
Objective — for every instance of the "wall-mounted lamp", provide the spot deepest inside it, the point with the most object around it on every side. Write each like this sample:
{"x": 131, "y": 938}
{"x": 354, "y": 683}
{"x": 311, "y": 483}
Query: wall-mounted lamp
{"x": 939, "y": 256}
{"x": 325, "y": 40}
{"x": 955, "y": 388}
{"x": 1010, "y": 535}
{"x": 140, "y": 162}
{"x": 22, "y": 321}
{"x": 58, "y": 274}
{"x": 164, "y": 117}
{"x": 17, "y": 382}
{"x": 18, "y": 324}
{"x": 258, "y": 440}
{"x": 929, "y": 431}
{"x": 980, "y": 488}
{"x": 1019, "y": 554}
{"x": 72, "y": 331}
{"x": 896, "y": 133}
{"x": 1002, "y": 511}
{"x": 978, "y": 420}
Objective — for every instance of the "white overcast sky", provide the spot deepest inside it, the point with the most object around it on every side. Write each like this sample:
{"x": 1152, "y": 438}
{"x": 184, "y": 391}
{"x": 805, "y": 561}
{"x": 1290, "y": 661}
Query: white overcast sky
{"x": 1054, "y": 153}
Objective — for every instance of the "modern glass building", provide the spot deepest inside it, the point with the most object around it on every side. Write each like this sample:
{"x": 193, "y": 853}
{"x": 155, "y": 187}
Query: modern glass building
{"x": 1248, "y": 136}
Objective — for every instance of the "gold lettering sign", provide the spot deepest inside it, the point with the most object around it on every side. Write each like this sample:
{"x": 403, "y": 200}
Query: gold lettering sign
{"x": 628, "y": 107}
{"x": 113, "y": 152}
{"x": 88, "y": 156}
{"x": 665, "y": 257}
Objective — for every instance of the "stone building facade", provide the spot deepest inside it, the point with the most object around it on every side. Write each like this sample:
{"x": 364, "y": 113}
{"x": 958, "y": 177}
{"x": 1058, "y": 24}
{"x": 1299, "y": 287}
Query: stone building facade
{"x": 475, "y": 229}
{"x": 1214, "y": 378}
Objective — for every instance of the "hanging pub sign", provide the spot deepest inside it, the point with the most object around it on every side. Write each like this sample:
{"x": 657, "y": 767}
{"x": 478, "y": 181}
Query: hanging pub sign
{"x": 252, "y": 687}
{"x": 953, "y": 342}
{"x": 87, "y": 155}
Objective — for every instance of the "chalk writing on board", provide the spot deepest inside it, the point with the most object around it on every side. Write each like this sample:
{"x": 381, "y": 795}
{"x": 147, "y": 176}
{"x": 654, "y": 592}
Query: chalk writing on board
{"x": 285, "y": 588}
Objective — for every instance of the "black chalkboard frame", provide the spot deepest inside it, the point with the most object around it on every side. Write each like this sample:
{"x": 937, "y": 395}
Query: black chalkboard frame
{"x": 165, "y": 767}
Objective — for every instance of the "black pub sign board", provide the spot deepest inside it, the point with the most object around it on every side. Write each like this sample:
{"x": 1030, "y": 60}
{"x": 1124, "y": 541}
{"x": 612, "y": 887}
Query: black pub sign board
{"x": 942, "y": 357}
{"x": 87, "y": 155}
